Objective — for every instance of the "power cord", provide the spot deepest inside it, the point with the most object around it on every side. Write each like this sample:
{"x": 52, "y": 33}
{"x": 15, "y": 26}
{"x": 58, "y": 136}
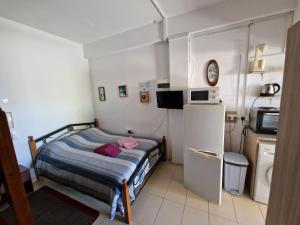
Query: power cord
{"x": 243, "y": 133}
{"x": 255, "y": 101}
{"x": 160, "y": 124}
{"x": 229, "y": 132}
{"x": 246, "y": 126}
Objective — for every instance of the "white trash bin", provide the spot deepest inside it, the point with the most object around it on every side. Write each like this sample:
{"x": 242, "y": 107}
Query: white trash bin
{"x": 235, "y": 169}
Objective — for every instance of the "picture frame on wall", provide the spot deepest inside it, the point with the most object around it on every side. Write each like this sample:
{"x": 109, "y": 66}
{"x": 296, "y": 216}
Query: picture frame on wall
{"x": 144, "y": 97}
{"x": 123, "y": 92}
{"x": 102, "y": 96}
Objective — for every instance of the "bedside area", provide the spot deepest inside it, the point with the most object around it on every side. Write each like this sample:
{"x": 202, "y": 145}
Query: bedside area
{"x": 25, "y": 174}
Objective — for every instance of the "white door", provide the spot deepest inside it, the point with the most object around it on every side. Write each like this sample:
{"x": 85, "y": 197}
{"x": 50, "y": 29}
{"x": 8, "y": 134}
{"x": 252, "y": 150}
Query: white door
{"x": 203, "y": 174}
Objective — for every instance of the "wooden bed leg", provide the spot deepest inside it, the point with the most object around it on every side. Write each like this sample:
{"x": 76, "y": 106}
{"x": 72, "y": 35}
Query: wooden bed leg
{"x": 96, "y": 123}
{"x": 126, "y": 202}
{"x": 33, "y": 150}
{"x": 32, "y": 147}
{"x": 164, "y": 147}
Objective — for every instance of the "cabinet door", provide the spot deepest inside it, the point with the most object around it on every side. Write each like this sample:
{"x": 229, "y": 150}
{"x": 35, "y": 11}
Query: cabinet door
{"x": 284, "y": 200}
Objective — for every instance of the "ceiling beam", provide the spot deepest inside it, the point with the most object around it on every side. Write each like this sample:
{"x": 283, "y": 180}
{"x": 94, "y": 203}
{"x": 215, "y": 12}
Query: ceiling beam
{"x": 164, "y": 18}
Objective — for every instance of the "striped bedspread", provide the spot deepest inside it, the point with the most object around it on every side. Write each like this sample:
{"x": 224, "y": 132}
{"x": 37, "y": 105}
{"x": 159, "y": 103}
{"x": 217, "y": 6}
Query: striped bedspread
{"x": 71, "y": 161}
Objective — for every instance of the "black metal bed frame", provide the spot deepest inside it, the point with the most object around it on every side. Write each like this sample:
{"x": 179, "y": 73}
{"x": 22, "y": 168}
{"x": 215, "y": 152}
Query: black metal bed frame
{"x": 139, "y": 169}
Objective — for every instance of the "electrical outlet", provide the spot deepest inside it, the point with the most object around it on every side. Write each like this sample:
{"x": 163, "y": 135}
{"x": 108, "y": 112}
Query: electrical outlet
{"x": 129, "y": 131}
{"x": 231, "y": 116}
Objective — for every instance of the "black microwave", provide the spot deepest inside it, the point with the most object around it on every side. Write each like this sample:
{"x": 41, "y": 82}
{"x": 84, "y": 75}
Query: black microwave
{"x": 264, "y": 120}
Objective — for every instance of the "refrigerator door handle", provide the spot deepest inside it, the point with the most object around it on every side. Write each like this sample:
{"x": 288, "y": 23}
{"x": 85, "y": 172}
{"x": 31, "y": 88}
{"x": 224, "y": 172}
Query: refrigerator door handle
{"x": 206, "y": 154}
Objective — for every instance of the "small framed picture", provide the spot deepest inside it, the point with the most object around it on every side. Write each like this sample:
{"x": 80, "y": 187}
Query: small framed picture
{"x": 101, "y": 91}
{"x": 144, "y": 96}
{"x": 123, "y": 91}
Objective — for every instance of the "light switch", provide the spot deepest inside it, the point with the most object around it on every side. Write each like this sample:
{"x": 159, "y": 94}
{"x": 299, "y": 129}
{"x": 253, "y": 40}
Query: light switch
{"x": 5, "y": 101}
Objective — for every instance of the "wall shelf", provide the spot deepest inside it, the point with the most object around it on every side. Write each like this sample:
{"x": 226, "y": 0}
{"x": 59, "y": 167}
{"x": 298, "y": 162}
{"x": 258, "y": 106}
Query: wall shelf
{"x": 270, "y": 97}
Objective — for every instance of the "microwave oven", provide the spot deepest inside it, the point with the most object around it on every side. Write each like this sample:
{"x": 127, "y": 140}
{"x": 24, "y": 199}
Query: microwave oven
{"x": 264, "y": 120}
{"x": 209, "y": 95}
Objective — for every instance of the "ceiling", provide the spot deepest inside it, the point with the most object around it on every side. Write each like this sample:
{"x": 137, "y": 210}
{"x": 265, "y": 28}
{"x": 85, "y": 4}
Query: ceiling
{"x": 85, "y": 21}
{"x": 176, "y": 7}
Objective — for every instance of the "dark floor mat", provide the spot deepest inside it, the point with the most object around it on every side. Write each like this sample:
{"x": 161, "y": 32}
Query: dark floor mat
{"x": 50, "y": 207}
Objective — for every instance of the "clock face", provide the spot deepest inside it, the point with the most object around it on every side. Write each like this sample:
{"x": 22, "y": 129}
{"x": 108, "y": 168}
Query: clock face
{"x": 212, "y": 72}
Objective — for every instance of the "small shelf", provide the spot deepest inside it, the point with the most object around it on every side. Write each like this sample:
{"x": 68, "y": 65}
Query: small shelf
{"x": 270, "y": 55}
{"x": 270, "y": 97}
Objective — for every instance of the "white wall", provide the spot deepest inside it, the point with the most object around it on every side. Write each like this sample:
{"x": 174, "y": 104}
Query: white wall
{"x": 297, "y": 12}
{"x": 46, "y": 80}
{"x": 179, "y": 68}
{"x": 139, "y": 37}
{"x": 229, "y": 48}
{"x": 226, "y": 12}
{"x": 109, "y": 70}
{"x": 130, "y": 68}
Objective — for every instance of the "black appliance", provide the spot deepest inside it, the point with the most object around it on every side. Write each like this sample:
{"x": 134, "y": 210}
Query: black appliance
{"x": 264, "y": 120}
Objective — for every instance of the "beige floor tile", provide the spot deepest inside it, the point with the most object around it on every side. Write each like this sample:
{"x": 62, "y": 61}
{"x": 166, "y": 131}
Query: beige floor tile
{"x": 98, "y": 221}
{"x": 176, "y": 192}
{"x": 158, "y": 185}
{"x": 196, "y": 201}
{"x": 178, "y": 174}
{"x": 225, "y": 210}
{"x": 145, "y": 208}
{"x": 116, "y": 222}
{"x": 170, "y": 213}
{"x": 192, "y": 216}
{"x": 216, "y": 220}
{"x": 165, "y": 169}
{"x": 226, "y": 195}
{"x": 247, "y": 211}
{"x": 263, "y": 208}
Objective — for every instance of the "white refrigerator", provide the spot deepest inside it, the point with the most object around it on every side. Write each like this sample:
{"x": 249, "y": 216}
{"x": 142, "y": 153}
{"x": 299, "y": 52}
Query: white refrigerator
{"x": 203, "y": 150}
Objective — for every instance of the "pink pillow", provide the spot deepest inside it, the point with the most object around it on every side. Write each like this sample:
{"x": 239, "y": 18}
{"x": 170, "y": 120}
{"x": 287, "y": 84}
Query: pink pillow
{"x": 128, "y": 142}
{"x": 131, "y": 145}
{"x": 110, "y": 150}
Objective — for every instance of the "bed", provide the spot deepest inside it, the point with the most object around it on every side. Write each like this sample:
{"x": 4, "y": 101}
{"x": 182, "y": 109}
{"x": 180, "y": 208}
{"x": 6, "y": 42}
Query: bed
{"x": 69, "y": 158}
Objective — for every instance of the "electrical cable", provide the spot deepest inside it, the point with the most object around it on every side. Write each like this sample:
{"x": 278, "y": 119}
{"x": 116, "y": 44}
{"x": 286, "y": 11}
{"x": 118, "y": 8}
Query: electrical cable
{"x": 190, "y": 78}
{"x": 243, "y": 135}
{"x": 229, "y": 132}
{"x": 160, "y": 124}
{"x": 255, "y": 101}
{"x": 245, "y": 127}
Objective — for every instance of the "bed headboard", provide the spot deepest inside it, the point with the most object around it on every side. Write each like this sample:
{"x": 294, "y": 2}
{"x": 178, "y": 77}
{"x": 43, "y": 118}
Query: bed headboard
{"x": 68, "y": 128}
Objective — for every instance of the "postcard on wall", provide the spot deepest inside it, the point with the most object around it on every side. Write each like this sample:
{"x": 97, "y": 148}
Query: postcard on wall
{"x": 123, "y": 92}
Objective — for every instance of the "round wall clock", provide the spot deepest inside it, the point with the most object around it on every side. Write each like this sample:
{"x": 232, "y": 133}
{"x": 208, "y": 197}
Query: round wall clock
{"x": 212, "y": 72}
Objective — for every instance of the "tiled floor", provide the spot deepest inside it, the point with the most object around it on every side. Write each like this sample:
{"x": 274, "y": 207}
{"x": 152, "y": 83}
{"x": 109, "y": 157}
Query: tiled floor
{"x": 165, "y": 201}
